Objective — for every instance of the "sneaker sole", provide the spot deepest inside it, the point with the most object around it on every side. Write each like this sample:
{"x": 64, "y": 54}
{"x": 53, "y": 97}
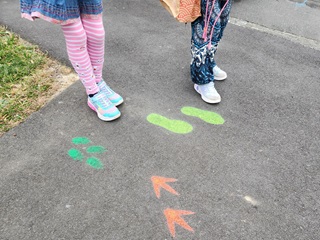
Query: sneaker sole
{"x": 108, "y": 119}
{"x": 117, "y": 103}
{"x": 207, "y": 100}
{"x": 103, "y": 118}
{"x": 220, "y": 79}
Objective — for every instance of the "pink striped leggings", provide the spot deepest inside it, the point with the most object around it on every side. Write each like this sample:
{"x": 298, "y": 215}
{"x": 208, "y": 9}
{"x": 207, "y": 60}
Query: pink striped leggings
{"x": 85, "y": 46}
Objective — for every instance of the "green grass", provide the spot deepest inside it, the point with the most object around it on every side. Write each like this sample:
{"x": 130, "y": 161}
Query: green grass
{"x": 29, "y": 78}
{"x": 16, "y": 60}
{"x": 19, "y": 86}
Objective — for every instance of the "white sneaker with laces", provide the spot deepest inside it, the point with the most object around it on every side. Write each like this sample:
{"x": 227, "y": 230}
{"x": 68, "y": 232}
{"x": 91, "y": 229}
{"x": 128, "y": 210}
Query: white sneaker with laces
{"x": 208, "y": 92}
{"x": 219, "y": 74}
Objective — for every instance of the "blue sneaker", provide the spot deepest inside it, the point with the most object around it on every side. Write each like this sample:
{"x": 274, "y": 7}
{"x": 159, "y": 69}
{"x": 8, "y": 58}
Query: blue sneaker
{"x": 114, "y": 97}
{"x": 104, "y": 108}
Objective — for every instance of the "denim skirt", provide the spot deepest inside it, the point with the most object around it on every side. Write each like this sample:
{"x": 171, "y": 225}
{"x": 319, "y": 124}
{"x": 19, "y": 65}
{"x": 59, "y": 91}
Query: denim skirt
{"x": 61, "y": 11}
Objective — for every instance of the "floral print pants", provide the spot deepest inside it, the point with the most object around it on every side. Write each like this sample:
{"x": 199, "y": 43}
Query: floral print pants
{"x": 204, "y": 45}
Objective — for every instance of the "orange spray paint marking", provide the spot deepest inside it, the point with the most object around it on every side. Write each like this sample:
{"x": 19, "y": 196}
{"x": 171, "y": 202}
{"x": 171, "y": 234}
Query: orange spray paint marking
{"x": 174, "y": 216}
{"x": 161, "y": 182}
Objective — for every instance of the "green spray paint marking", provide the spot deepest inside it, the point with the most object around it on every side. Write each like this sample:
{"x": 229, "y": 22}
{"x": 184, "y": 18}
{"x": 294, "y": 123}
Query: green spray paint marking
{"x": 96, "y": 149}
{"x": 207, "y": 116}
{"x": 176, "y": 126}
{"x": 95, "y": 163}
{"x": 80, "y": 140}
{"x": 75, "y": 154}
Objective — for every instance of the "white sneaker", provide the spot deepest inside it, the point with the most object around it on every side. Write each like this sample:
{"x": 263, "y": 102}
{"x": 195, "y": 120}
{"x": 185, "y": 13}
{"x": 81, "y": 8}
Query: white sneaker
{"x": 219, "y": 74}
{"x": 208, "y": 93}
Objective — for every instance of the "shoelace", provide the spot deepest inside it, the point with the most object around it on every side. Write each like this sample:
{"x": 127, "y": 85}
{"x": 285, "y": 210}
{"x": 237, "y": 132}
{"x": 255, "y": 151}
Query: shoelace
{"x": 207, "y": 20}
{"x": 107, "y": 89}
{"x": 102, "y": 102}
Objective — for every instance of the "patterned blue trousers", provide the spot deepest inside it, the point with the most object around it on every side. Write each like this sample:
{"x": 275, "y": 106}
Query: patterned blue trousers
{"x": 202, "y": 62}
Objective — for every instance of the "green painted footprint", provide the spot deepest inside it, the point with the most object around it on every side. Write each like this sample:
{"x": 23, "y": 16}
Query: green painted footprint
{"x": 96, "y": 149}
{"x": 80, "y": 140}
{"x": 176, "y": 126}
{"x": 95, "y": 163}
{"x": 207, "y": 116}
{"x": 76, "y": 155}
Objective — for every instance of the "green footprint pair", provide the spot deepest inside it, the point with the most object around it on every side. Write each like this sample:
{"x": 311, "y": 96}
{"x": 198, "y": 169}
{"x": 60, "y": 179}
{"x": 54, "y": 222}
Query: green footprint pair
{"x": 182, "y": 127}
{"x": 77, "y": 155}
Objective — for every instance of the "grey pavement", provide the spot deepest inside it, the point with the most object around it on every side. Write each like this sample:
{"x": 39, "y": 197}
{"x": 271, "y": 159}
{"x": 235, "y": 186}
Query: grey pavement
{"x": 254, "y": 177}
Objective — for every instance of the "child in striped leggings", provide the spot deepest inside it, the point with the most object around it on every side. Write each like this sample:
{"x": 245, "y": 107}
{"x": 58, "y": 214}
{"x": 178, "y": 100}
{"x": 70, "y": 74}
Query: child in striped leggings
{"x": 81, "y": 23}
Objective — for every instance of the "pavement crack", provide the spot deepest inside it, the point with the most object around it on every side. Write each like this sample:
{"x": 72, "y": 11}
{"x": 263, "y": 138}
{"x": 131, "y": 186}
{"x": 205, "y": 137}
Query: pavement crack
{"x": 306, "y": 42}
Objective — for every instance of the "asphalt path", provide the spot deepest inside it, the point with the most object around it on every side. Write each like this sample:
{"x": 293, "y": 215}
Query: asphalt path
{"x": 253, "y": 174}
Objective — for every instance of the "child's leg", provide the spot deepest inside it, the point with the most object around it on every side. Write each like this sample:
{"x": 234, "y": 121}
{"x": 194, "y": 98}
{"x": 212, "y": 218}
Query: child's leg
{"x": 203, "y": 47}
{"x": 95, "y": 44}
{"x": 203, "y": 62}
{"x": 202, "y": 57}
{"x": 224, "y": 18}
{"x": 76, "y": 40}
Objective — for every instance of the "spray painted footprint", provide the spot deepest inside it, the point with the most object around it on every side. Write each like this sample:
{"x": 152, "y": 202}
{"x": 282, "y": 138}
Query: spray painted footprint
{"x": 80, "y": 140}
{"x": 206, "y": 116}
{"x": 77, "y": 155}
{"x": 172, "y": 125}
{"x": 95, "y": 163}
